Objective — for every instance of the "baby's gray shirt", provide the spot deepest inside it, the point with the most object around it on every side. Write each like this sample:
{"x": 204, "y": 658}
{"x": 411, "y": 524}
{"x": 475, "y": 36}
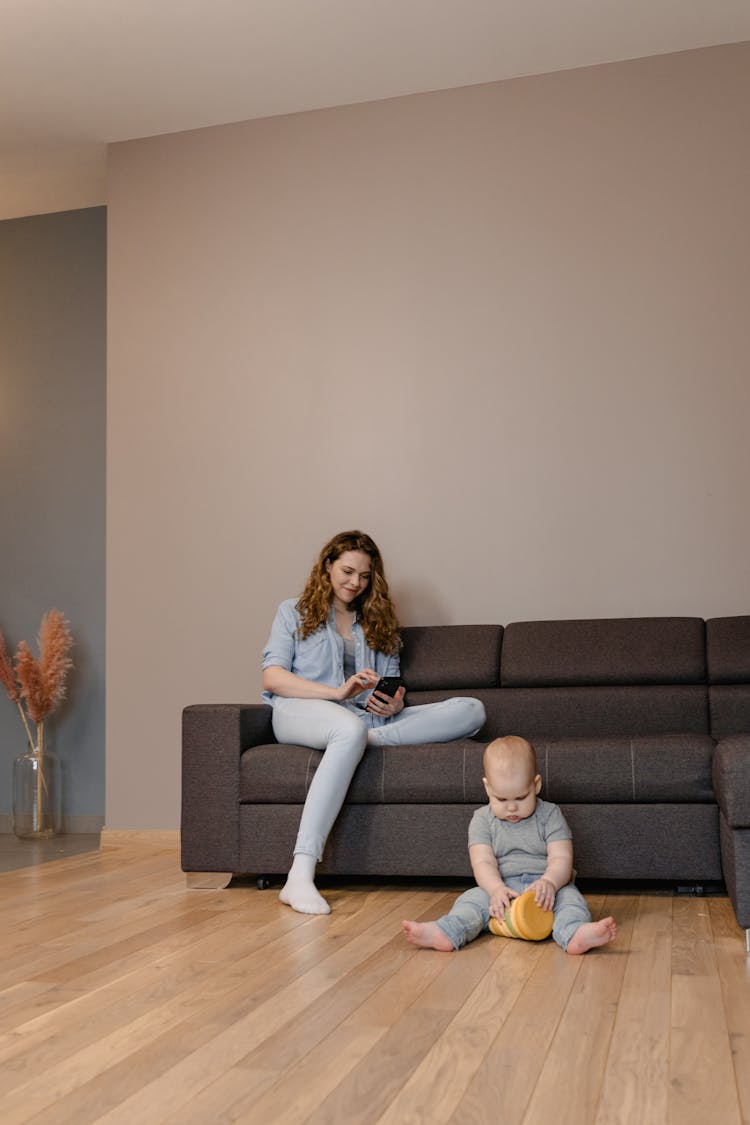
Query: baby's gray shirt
{"x": 520, "y": 848}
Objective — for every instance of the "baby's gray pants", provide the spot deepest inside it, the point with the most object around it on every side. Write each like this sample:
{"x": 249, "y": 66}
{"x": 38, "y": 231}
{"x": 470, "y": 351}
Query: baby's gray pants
{"x": 470, "y": 913}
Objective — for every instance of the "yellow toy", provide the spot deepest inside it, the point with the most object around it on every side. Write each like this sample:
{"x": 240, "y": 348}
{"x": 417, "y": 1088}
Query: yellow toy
{"x": 524, "y": 919}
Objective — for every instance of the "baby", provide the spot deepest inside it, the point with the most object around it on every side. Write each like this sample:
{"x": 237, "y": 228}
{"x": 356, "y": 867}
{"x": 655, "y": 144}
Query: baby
{"x": 515, "y": 843}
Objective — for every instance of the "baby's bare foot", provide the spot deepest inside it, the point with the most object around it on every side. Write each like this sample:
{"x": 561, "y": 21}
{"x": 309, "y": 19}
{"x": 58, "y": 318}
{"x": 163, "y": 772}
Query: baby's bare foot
{"x": 591, "y": 934}
{"x": 427, "y": 935}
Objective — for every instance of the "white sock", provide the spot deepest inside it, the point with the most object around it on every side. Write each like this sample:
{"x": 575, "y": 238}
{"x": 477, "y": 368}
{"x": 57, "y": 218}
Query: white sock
{"x": 300, "y": 891}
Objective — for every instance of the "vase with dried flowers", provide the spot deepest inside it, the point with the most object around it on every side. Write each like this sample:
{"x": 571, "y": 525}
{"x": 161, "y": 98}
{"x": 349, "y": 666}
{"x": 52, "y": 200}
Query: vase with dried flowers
{"x": 37, "y": 687}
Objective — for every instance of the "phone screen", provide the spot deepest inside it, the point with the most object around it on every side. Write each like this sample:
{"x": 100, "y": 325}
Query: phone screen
{"x": 388, "y": 685}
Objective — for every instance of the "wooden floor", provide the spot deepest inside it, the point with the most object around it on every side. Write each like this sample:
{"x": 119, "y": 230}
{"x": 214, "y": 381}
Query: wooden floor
{"x": 125, "y": 998}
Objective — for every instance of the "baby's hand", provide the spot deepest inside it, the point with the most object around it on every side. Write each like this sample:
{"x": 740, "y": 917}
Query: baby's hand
{"x": 544, "y": 893}
{"x": 501, "y": 900}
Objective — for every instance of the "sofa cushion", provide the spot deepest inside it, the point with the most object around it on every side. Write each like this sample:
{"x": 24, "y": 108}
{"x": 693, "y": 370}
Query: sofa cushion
{"x": 451, "y": 656}
{"x": 438, "y": 773}
{"x": 728, "y": 650}
{"x": 631, "y": 650}
{"x": 560, "y": 712}
{"x": 664, "y": 768}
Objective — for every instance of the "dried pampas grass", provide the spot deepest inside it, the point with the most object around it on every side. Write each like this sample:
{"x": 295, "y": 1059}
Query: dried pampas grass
{"x": 37, "y": 686}
{"x": 43, "y": 681}
{"x": 55, "y": 643}
{"x": 29, "y": 675}
{"x": 7, "y": 676}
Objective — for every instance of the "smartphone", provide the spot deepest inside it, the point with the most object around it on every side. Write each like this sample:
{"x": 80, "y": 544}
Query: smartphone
{"x": 388, "y": 685}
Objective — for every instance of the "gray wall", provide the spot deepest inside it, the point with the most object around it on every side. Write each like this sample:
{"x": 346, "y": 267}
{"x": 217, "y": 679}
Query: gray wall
{"x": 52, "y": 480}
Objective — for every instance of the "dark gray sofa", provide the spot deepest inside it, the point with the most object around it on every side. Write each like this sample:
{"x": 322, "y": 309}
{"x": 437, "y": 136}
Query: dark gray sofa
{"x": 642, "y": 731}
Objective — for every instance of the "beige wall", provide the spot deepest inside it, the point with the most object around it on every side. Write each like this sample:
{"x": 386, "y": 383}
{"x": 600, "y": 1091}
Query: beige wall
{"x": 39, "y": 179}
{"x": 502, "y": 328}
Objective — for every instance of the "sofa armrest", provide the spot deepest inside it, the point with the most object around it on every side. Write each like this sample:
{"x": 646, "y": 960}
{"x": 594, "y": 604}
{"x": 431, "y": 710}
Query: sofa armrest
{"x": 213, "y": 739}
{"x": 731, "y": 779}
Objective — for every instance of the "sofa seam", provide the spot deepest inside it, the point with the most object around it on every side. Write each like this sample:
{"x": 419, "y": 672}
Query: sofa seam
{"x": 632, "y": 767}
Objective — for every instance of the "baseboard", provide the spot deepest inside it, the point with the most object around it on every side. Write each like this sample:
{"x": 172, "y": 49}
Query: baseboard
{"x": 94, "y": 825}
{"x": 164, "y": 837}
{"x": 71, "y": 825}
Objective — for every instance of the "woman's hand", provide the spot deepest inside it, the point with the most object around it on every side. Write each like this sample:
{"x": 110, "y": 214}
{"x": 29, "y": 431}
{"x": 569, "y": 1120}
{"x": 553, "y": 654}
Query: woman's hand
{"x": 356, "y": 684}
{"x": 385, "y": 705}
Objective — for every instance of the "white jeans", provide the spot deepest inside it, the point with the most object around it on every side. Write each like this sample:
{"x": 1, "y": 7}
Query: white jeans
{"x": 324, "y": 725}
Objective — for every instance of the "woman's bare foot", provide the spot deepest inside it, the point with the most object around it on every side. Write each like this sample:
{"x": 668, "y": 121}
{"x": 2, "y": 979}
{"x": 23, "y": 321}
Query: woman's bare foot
{"x": 427, "y": 935}
{"x": 591, "y": 934}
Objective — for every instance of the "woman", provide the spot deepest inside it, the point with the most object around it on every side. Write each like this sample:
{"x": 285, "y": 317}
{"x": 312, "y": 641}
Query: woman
{"x": 326, "y": 652}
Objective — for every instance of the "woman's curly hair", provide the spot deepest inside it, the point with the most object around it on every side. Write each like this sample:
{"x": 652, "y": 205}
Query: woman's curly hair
{"x": 375, "y": 610}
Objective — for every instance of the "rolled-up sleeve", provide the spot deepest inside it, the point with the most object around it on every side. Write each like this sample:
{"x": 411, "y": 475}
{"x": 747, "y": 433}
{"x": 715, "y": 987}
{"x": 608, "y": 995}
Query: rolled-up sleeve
{"x": 279, "y": 648}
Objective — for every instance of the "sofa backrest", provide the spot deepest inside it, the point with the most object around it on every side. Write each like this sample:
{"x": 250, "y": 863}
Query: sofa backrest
{"x": 728, "y": 656}
{"x": 596, "y": 712}
{"x": 603, "y": 652}
{"x": 607, "y": 676}
{"x": 563, "y": 679}
{"x": 451, "y": 657}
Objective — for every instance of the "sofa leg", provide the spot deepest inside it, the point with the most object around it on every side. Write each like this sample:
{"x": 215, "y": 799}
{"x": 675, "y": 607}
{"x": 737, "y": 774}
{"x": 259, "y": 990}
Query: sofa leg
{"x": 747, "y": 942}
{"x": 208, "y": 880}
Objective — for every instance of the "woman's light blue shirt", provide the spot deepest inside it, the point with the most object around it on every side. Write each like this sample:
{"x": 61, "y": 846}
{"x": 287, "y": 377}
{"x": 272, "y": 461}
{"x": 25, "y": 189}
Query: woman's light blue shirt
{"x": 320, "y": 657}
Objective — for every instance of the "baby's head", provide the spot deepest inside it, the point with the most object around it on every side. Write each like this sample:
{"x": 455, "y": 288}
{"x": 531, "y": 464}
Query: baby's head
{"x": 510, "y": 778}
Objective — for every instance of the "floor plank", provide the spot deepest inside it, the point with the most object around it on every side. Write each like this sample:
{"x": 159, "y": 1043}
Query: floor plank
{"x": 504, "y": 1082}
{"x": 441, "y": 1080}
{"x": 584, "y": 1033}
{"x": 701, "y": 1070}
{"x": 734, "y": 972}
{"x": 636, "y": 1073}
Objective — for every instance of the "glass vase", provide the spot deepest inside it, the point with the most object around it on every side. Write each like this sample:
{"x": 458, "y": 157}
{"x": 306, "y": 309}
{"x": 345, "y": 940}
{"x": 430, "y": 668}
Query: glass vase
{"x": 36, "y": 795}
